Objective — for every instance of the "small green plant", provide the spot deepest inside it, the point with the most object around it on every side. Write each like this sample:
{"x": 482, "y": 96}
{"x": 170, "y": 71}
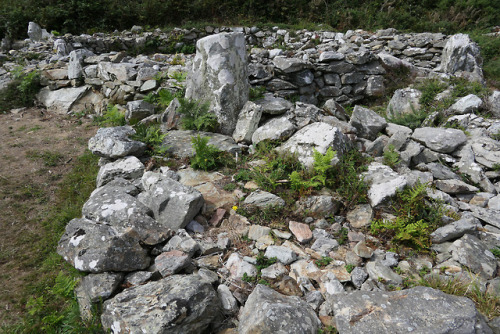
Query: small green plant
{"x": 304, "y": 179}
{"x": 207, "y": 157}
{"x": 496, "y": 252}
{"x": 391, "y": 156}
{"x": 424, "y": 271}
{"x": 496, "y": 136}
{"x": 412, "y": 120}
{"x": 324, "y": 261}
{"x": 196, "y": 116}
{"x": 177, "y": 60}
{"x": 249, "y": 279}
{"x": 416, "y": 218}
{"x": 349, "y": 268}
{"x": 230, "y": 187}
{"x": 50, "y": 159}
{"x": 21, "y": 91}
{"x": 152, "y": 137}
{"x": 430, "y": 88}
{"x": 264, "y": 262}
{"x": 342, "y": 235}
{"x": 328, "y": 330}
{"x": 243, "y": 175}
{"x": 256, "y": 93}
{"x": 277, "y": 168}
{"x": 163, "y": 97}
{"x": 463, "y": 87}
{"x": 179, "y": 76}
{"x": 111, "y": 117}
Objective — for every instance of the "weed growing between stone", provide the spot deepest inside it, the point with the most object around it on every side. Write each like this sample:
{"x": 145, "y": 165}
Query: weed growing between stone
{"x": 207, "y": 157}
{"x": 196, "y": 116}
{"x": 111, "y": 117}
{"x": 21, "y": 91}
{"x": 416, "y": 218}
{"x": 152, "y": 137}
{"x": 163, "y": 97}
{"x": 391, "y": 156}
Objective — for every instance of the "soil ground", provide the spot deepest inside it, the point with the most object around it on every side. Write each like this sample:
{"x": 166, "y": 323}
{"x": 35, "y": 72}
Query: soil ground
{"x": 37, "y": 148}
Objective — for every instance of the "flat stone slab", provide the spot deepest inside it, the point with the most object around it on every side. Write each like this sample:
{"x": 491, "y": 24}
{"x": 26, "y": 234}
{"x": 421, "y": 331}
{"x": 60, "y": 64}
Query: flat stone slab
{"x": 179, "y": 142}
{"x": 440, "y": 139}
{"x": 419, "y": 310}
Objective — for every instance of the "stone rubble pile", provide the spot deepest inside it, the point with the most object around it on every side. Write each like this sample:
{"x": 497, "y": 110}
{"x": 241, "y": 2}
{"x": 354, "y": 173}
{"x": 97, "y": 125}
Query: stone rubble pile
{"x": 166, "y": 253}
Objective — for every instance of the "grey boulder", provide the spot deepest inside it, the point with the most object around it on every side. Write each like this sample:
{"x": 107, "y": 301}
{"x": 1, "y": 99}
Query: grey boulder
{"x": 367, "y": 122}
{"x": 174, "y": 305}
{"x": 267, "y": 311}
{"x": 440, "y": 139}
{"x": 115, "y": 143}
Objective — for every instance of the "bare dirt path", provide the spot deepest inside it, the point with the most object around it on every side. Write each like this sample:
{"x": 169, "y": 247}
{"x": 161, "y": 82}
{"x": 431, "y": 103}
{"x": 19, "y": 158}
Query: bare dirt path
{"x": 37, "y": 148}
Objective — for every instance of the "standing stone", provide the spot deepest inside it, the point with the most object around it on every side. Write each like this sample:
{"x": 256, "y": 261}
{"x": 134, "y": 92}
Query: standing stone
{"x": 34, "y": 32}
{"x": 248, "y": 122}
{"x": 62, "y": 48}
{"x": 461, "y": 56}
{"x": 75, "y": 66}
{"x": 219, "y": 76}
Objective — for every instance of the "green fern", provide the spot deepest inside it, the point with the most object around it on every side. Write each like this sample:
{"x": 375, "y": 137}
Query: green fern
{"x": 196, "y": 115}
{"x": 207, "y": 157}
{"x": 306, "y": 180}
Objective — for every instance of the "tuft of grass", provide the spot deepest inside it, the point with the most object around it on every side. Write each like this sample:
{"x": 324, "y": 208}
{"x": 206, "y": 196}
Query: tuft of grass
{"x": 412, "y": 120}
{"x": 256, "y": 93}
{"x": 50, "y": 159}
{"x": 21, "y": 91}
{"x": 487, "y": 304}
{"x": 430, "y": 88}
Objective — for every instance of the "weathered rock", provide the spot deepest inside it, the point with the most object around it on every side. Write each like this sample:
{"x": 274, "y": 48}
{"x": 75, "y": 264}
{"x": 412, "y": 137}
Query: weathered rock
{"x": 238, "y": 267}
{"x": 367, "y": 122}
{"x": 455, "y": 187}
{"x": 290, "y": 65}
{"x": 229, "y": 303}
{"x": 174, "y": 205}
{"x": 183, "y": 242}
{"x": 323, "y": 246}
{"x": 267, "y": 311}
{"x": 472, "y": 253}
{"x": 137, "y": 110}
{"x": 170, "y": 263}
{"x": 358, "y": 277}
{"x": 115, "y": 143}
{"x": 440, "y": 139}
{"x": 467, "y": 104}
{"x": 248, "y": 122}
{"x": 301, "y": 231}
{"x": 176, "y": 304}
{"x": 257, "y": 231}
{"x": 129, "y": 168}
{"x": 461, "y": 55}
{"x": 416, "y": 310}
{"x": 362, "y": 250}
{"x": 263, "y": 199}
{"x": 278, "y": 128}
{"x": 123, "y": 72}
{"x": 282, "y": 254}
{"x": 319, "y": 136}
{"x": 274, "y": 105}
{"x": 95, "y": 248}
{"x": 179, "y": 142}
{"x": 375, "y": 86}
{"x": 403, "y": 102}
{"x": 455, "y": 230}
{"x": 99, "y": 287}
{"x": 318, "y": 206}
{"x": 34, "y": 32}
{"x": 486, "y": 151}
{"x": 62, "y": 100}
{"x": 494, "y": 103}
{"x": 75, "y": 66}
{"x": 380, "y": 272}
{"x": 361, "y": 216}
{"x": 384, "y": 183}
{"x": 219, "y": 76}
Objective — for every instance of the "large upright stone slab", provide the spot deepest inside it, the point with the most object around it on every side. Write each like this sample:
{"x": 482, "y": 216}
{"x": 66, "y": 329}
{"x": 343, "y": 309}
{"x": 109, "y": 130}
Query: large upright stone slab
{"x": 219, "y": 76}
{"x": 461, "y": 56}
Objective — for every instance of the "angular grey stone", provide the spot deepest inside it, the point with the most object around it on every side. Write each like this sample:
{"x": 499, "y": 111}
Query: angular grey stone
{"x": 384, "y": 183}
{"x": 96, "y": 248}
{"x": 267, "y": 311}
{"x": 129, "y": 168}
{"x": 472, "y": 253}
{"x": 328, "y": 56}
{"x": 278, "y": 128}
{"x": 358, "y": 277}
{"x": 441, "y": 172}
{"x": 182, "y": 241}
{"x": 148, "y": 86}
{"x": 274, "y": 105}
{"x": 358, "y": 57}
{"x": 456, "y": 230}
{"x": 229, "y": 303}
{"x": 486, "y": 151}
{"x": 238, "y": 267}
{"x": 283, "y": 254}
{"x": 146, "y": 73}
{"x": 99, "y": 287}
{"x": 324, "y": 246}
{"x": 403, "y": 102}
{"x": 494, "y": 103}
{"x": 123, "y": 72}
{"x": 257, "y": 231}
{"x": 179, "y": 142}
{"x": 290, "y": 65}
{"x": 378, "y": 271}
{"x": 174, "y": 305}
{"x": 275, "y": 270}
{"x": 494, "y": 203}
{"x": 455, "y": 187}
{"x": 460, "y": 54}
{"x": 75, "y": 65}
{"x": 277, "y": 84}
{"x": 489, "y": 216}
{"x": 137, "y": 110}
{"x": 170, "y": 263}
{"x": 248, "y": 122}
{"x": 62, "y": 100}
{"x": 219, "y": 76}
{"x": 137, "y": 278}
{"x": 319, "y": 136}
{"x": 440, "y": 139}
{"x": 115, "y": 143}
{"x": 174, "y": 205}
{"x": 367, "y": 122}
{"x": 303, "y": 78}
{"x": 360, "y": 216}
{"x": 416, "y": 310}
{"x": 467, "y": 104}
{"x": 34, "y": 32}
{"x": 375, "y": 86}
{"x": 362, "y": 250}
{"x": 263, "y": 199}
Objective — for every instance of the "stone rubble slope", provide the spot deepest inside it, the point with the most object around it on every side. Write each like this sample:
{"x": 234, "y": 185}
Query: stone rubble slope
{"x": 165, "y": 251}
